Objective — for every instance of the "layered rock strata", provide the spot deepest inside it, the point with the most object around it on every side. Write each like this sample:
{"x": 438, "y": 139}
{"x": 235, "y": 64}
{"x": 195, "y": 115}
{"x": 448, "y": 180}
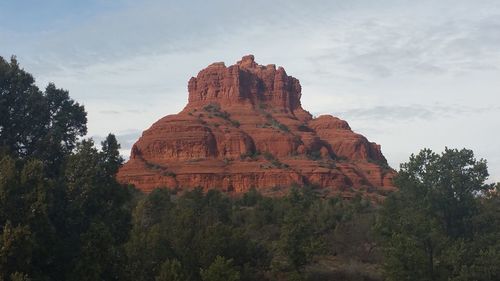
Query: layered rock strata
{"x": 243, "y": 127}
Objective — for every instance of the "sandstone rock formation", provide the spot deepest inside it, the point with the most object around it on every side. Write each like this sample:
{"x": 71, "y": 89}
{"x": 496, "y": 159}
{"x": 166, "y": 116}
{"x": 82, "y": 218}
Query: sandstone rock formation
{"x": 244, "y": 127}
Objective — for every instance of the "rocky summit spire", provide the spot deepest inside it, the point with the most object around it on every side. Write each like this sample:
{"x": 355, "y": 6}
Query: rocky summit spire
{"x": 244, "y": 127}
{"x": 247, "y": 61}
{"x": 245, "y": 83}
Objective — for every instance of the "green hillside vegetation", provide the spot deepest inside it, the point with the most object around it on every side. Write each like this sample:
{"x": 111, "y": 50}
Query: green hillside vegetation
{"x": 63, "y": 216}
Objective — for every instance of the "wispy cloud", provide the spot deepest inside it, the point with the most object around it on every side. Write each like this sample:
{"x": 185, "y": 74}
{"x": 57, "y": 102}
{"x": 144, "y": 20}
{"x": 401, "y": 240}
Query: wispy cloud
{"x": 413, "y": 112}
{"x": 382, "y": 47}
{"x": 128, "y": 111}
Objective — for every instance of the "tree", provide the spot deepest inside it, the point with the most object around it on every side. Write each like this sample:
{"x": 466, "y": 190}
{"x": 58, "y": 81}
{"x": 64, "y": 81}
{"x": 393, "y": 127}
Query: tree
{"x": 111, "y": 154}
{"x": 220, "y": 270}
{"x": 16, "y": 248}
{"x": 171, "y": 270}
{"x": 23, "y": 109}
{"x": 36, "y": 124}
{"x": 63, "y": 216}
{"x": 18, "y": 276}
{"x": 429, "y": 229}
{"x": 148, "y": 247}
{"x": 296, "y": 238}
{"x": 96, "y": 218}
{"x": 95, "y": 256}
{"x": 25, "y": 202}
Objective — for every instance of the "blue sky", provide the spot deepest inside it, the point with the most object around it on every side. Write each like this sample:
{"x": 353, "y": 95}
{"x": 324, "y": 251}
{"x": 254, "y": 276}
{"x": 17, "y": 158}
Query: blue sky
{"x": 406, "y": 74}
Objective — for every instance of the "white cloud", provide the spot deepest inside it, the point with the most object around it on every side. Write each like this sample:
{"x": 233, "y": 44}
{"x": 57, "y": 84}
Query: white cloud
{"x": 405, "y": 113}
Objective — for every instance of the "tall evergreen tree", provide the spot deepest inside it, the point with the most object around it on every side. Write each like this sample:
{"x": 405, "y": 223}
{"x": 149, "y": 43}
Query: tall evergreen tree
{"x": 35, "y": 124}
{"x": 430, "y": 228}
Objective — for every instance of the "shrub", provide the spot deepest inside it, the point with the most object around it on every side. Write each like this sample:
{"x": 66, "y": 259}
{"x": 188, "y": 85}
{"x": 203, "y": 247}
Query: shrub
{"x": 235, "y": 123}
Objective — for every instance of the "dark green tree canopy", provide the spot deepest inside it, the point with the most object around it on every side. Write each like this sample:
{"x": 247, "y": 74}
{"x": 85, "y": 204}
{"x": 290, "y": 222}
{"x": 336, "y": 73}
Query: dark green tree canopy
{"x": 63, "y": 216}
{"x": 36, "y": 124}
{"x": 434, "y": 227}
{"x": 220, "y": 270}
{"x": 449, "y": 183}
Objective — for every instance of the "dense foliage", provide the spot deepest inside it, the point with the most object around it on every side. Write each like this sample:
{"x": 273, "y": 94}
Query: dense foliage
{"x": 443, "y": 224}
{"x": 63, "y": 216}
{"x": 35, "y": 124}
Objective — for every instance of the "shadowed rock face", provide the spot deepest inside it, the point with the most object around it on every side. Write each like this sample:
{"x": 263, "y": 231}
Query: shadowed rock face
{"x": 244, "y": 127}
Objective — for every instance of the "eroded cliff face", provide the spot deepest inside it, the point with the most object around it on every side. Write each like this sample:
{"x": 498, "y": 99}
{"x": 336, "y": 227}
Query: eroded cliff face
{"x": 244, "y": 127}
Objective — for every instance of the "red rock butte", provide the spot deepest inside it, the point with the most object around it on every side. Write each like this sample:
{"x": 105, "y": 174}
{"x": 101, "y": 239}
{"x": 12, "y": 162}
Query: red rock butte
{"x": 244, "y": 127}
